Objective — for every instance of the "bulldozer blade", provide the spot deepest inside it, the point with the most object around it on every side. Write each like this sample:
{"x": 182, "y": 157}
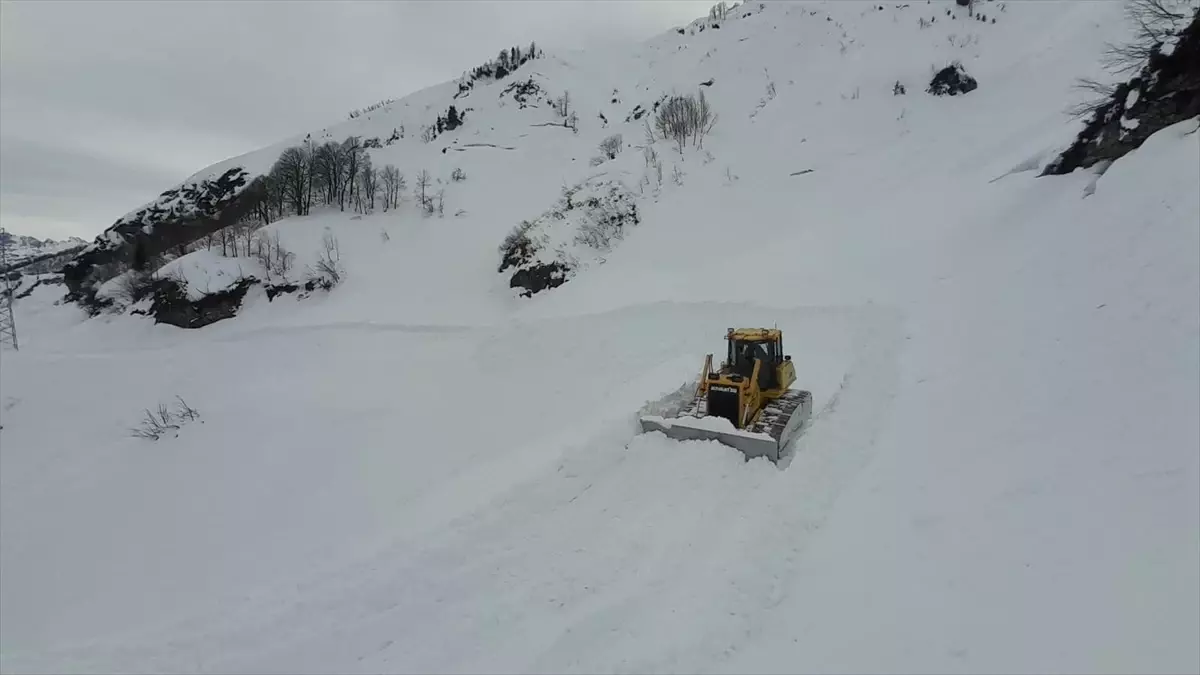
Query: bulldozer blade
{"x": 778, "y": 424}
{"x": 693, "y": 429}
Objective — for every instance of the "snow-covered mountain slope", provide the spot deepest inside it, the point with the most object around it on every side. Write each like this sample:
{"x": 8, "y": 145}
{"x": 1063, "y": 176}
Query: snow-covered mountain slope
{"x": 22, "y": 248}
{"x": 419, "y": 471}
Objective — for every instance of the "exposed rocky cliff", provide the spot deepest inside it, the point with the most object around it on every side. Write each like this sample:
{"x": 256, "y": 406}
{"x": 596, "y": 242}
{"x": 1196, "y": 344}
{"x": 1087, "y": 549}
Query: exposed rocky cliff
{"x": 1166, "y": 91}
{"x": 179, "y": 216}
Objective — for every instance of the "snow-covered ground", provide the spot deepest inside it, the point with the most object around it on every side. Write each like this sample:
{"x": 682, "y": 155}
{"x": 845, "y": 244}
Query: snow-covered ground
{"x": 420, "y": 472}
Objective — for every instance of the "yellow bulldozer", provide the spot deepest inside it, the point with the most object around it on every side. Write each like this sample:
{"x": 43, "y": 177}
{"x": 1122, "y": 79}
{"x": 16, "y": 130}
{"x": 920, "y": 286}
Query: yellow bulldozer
{"x": 747, "y": 403}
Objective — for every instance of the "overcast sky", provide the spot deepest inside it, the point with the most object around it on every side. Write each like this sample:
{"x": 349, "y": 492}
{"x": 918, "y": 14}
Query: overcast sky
{"x": 105, "y": 104}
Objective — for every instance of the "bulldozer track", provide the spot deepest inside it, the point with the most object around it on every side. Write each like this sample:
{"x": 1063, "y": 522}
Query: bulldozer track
{"x": 776, "y": 415}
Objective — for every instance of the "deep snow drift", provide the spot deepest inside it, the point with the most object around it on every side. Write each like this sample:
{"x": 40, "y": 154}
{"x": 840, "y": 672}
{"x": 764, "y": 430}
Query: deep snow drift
{"x": 419, "y": 471}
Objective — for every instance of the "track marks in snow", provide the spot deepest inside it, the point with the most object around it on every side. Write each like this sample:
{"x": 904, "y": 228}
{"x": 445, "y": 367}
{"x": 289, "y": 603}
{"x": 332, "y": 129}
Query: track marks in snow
{"x": 569, "y": 538}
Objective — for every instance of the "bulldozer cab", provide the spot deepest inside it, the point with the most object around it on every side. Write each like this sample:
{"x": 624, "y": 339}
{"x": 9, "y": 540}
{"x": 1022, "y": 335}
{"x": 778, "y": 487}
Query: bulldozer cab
{"x": 747, "y": 346}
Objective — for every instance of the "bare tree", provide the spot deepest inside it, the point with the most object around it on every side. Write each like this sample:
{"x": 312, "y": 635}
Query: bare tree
{"x": 441, "y": 203}
{"x": 272, "y": 255}
{"x": 329, "y": 170}
{"x": 293, "y": 172}
{"x": 1102, "y": 93}
{"x": 368, "y": 185}
{"x": 388, "y": 177}
{"x": 353, "y": 153}
{"x": 703, "y": 119}
{"x": 562, "y": 106}
{"x": 423, "y": 183}
{"x": 1154, "y": 22}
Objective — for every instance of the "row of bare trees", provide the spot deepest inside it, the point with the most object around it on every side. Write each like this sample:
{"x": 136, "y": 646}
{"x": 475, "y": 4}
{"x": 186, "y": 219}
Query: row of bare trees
{"x": 331, "y": 173}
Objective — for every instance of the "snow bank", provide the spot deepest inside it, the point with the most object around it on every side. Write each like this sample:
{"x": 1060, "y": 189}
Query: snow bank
{"x": 206, "y": 271}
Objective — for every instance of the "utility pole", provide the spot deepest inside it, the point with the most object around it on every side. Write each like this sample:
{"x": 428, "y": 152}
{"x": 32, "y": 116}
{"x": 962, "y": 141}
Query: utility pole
{"x": 8, "y": 326}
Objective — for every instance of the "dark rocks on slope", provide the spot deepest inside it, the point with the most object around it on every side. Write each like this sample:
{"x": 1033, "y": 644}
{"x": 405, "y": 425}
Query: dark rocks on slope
{"x": 952, "y": 81}
{"x": 172, "y": 306}
{"x": 179, "y": 216}
{"x": 1165, "y": 92}
{"x": 538, "y": 278}
{"x": 517, "y": 253}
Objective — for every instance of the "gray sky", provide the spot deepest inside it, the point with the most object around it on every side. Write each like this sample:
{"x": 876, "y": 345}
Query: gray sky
{"x": 104, "y": 104}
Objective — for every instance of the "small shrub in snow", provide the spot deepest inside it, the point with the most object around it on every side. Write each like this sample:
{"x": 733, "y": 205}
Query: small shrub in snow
{"x": 605, "y": 219}
{"x": 458, "y": 175}
{"x": 517, "y": 247}
{"x": 271, "y": 254}
{"x": 597, "y": 160}
{"x": 327, "y": 272}
{"x": 899, "y": 89}
{"x": 681, "y": 118}
{"x": 612, "y": 145}
{"x": 164, "y": 420}
{"x": 650, "y": 155}
{"x": 562, "y": 105}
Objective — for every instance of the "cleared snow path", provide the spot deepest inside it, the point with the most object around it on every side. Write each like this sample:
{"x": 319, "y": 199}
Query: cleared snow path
{"x": 550, "y": 541}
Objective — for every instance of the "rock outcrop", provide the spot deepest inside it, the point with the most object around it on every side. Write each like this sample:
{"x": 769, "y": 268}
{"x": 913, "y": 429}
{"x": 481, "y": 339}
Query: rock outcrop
{"x": 172, "y": 306}
{"x": 952, "y": 81}
{"x": 178, "y": 217}
{"x": 1165, "y": 92}
{"x": 586, "y": 222}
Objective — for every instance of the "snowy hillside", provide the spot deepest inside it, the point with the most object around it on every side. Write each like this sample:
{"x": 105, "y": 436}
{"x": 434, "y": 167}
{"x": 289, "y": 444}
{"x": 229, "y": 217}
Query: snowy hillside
{"x": 413, "y": 467}
{"x": 22, "y": 248}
